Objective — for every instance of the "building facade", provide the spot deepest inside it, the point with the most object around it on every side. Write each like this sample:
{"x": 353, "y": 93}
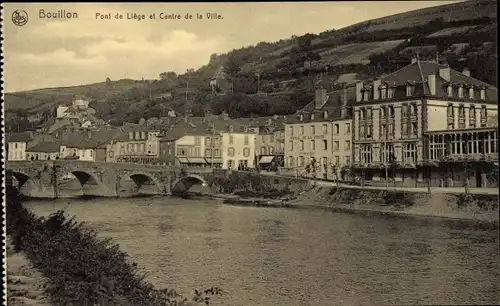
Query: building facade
{"x": 318, "y": 139}
{"x": 16, "y": 145}
{"x": 44, "y": 151}
{"x": 238, "y": 150}
{"x": 392, "y": 115}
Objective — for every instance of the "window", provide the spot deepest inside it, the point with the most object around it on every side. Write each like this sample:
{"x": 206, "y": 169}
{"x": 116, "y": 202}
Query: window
{"x": 369, "y": 113}
{"x": 449, "y": 91}
{"x": 460, "y": 91}
{"x": 208, "y": 141}
{"x": 472, "y": 116}
{"x": 217, "y": 153}
{"x": 325, "y": 145}
{"x": 383, "y": 131}
{"x": 347, "y": 128}
{"x": 365, "y": 154}
{"x": 414, "y": 110}
{"x": 391, "y": 111}
{"x": 301, "y": 117}
{"x": 301, "y": 143}
{"x": 246, "y": 152}
{"x": 197, "y": 141}
{"x": 313, "y": 130}
{"x": 230, "y": 164}
{"x": 290, "y": 145}
{"x": 231, "y": 129}
{"x": 369, "y": 131}
{"x": 324, "y": 162}
{"x": 362, "y": 114}
{"x": 301, "y": 130}
{"x": 484, "y": 116}
{"x": 313, "y": 145}
{"x": 197, "y": 151}
{"x": 325, "y": 114}
{"x": 390, "y": 93}
{"x": 290, "y": 161}
{"x": 409, "y": 153}
{"x": 347, "y": 145}
{"x": 337, "y": 160}
{"x": 231, "y": 139}
{"x": 347, "y": 160}
{"x": 143, "y": 147}
{"x": 230, "y": 152}
{"x": 182, "y": 152}
{"x": 336, "y": 145}
{"x": 324, "y": 129}
{"x": 336, "y": 129}
{"x": 263, "y": 150}
{"x": 137, "y": 135}
{"x": 312, "y": 116}
{"x": 271, "y": 138}
{"x": 290, "y": 130}
{"x": 483, "y": 94}
{"x": 383, "y": 92}
{"x": 414, "y": 129}
{"x": 130, "y": 135}
{"x": 365, "y": 95}
{"x": 391, "y": 133}
{"x": 404, "y": 111}
{"x": 300, "y": 161}
{"x": 246, "y": 140}
{"x": 271, "y": 150}
{"x": 130, "y": 147}
{"x": 461, "y": 117}
{"x": 450, "y": 117}
{"x": 471, "y": 93}
{"x": 91, "y": 153}
{"x": 410, "y": 90}
{"x": 208, "y": 152}
{"x": 387, "y": 153}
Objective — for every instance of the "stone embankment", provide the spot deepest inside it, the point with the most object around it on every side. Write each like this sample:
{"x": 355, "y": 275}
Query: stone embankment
{"x": 472, "y": 208}
{"x": 25, "y": 284}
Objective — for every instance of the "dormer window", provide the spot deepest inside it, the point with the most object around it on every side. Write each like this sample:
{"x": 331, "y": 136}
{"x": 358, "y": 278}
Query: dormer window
{"x": 390, "y": 93}
{"x": 301, "y": 117}
{"x": 449, "y": 91}
{"x": 471, "y": 93}
{"x": 383, "y": 92}
{"x": 325, "y": 114}
{"x": 365, "y": 95}
{"x": 231, "y": 128}
{"x": 312, "y": 116}
{"x": 410, "y": 90}
{"x": 483, "y": 94}
{"x": 460, "y": 91}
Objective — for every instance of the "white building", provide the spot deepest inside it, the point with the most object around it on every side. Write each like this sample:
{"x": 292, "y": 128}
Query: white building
{"x": 16, "y": 145}
{"x": 238, "y": 150}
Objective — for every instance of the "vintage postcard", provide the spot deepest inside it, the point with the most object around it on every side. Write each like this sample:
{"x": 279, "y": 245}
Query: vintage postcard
{"x": 251, "y": 153}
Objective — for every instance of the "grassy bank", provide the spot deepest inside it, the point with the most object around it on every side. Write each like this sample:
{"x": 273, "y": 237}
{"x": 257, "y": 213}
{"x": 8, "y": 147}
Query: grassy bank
{"x": 81, "y": 269}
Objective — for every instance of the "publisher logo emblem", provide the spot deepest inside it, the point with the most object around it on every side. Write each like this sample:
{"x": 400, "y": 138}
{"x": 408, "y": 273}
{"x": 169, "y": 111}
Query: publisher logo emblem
{"x": 20, "y": 17}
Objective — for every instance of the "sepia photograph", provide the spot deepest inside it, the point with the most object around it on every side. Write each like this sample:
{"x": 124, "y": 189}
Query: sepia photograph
{"x": 250, "y": 153}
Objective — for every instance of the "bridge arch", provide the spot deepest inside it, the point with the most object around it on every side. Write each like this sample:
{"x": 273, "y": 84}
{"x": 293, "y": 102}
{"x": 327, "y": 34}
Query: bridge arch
{"x": 85, "y": 177}
{"x": 140, "y": 178}
{"x": 184, "y": 183}
{"x": 20, "y": 177}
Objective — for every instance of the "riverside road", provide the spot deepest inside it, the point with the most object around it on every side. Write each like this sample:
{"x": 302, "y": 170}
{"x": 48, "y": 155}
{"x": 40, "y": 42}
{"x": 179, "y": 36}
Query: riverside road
{"x": 266, "y": 256}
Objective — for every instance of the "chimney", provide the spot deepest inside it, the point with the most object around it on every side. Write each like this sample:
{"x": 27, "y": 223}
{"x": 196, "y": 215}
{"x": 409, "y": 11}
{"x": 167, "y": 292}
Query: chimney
{"x": 444, "y": 72}
{"x": 414, "y": 59}
{"x": 466, "y": 72}
{"x": 376, "y": 93}
{"x": 343, "y": 106}
{"x": 359, "y": 86}
{"x": 431, "y": 81}
{"x": 320, "y": 97}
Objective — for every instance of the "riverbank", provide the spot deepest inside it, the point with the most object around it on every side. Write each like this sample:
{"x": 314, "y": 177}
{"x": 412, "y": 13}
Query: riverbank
{"x": 481, "y": 210}
{"x": 25, "y": 284}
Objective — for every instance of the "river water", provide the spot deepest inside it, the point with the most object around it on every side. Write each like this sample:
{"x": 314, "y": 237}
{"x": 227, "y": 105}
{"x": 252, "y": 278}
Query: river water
{"x": 268, "y": 256}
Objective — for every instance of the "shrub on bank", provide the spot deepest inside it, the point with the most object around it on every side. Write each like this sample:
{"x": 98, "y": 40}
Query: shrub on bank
{"x": 82, "y": 269}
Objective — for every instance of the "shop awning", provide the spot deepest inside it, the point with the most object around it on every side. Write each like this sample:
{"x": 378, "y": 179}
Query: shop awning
{"x": 266, "y": 159}
{"x": 196, "y": 160}
{"x": 183, "y": 160}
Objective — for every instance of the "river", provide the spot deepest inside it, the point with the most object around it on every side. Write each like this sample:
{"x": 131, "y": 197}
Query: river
{"x": 268, "y": 256}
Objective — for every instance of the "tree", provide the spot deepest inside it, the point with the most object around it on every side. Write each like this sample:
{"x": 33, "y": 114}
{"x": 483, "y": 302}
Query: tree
{"x": 231, "y": 69}
{"x": 168, "y": 75}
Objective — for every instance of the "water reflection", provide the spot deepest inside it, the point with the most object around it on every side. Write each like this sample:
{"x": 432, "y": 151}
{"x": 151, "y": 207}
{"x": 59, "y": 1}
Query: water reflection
{"x": 263, "y": 256}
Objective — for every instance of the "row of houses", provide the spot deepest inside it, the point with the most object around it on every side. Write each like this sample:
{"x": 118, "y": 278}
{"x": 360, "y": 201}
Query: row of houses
{"x": 423, "y": 124}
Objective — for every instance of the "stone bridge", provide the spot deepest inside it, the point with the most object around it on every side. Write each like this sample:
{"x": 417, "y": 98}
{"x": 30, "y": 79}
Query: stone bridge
{"x": 101, "y": 178}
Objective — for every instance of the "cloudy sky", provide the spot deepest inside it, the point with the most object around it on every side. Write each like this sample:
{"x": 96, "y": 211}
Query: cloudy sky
{"x": 51, "y": 53}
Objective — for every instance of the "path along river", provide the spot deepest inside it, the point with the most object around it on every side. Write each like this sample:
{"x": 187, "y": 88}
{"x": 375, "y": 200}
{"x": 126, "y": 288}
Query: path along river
{"x": 268, "y": 256}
